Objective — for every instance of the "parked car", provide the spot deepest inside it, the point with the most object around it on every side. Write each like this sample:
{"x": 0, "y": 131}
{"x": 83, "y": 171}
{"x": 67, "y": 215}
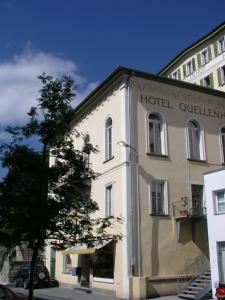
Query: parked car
{"x": 41, "y": 276}
{"x": 7, "y": 294}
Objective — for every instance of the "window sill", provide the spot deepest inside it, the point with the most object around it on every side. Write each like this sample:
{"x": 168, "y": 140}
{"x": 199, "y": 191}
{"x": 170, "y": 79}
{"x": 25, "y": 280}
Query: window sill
{"x": 104, "y": 162}
{"x": 159, "y": 215}
{"x": 197, "y": 160}
{"x": 67, "y": 273}
{"x": 158, "y": 155}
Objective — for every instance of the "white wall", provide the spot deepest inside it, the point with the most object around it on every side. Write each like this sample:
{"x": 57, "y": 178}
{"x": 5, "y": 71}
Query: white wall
{"x": 216, "y": 223}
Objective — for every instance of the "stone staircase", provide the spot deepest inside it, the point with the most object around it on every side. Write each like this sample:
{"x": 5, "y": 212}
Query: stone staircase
{"x": 198, "y": 288}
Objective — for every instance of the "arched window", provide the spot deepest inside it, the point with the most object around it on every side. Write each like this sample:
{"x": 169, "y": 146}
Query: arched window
{"x": 86, "y": 150}
{"x": 222, "y": 137}
{"x": 156, "y": 134}
{"x": 108, "y": 138}
{"x": 195, "y": 140}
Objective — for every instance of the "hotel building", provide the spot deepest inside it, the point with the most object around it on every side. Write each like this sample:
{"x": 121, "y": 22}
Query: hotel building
{"x": 156, "y": 137}
{"x": 202, "y": 63}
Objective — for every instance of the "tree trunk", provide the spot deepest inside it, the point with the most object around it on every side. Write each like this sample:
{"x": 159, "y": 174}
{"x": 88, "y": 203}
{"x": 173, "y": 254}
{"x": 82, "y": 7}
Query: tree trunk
{"x": 33, "y": 263}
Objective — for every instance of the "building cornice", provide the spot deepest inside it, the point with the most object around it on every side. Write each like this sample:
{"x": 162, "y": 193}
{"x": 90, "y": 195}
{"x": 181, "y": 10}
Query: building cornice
{"x": 120, "y": 74}
{"x": 192, "y": 47}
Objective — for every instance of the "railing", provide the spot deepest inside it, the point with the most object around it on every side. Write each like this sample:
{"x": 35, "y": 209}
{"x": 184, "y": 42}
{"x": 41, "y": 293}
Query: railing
{"x": 189, "y": 208}
{"x": 194, "y": 267}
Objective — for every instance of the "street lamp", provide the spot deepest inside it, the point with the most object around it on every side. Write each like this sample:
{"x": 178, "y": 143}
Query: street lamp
{"x": 135, "y": 264}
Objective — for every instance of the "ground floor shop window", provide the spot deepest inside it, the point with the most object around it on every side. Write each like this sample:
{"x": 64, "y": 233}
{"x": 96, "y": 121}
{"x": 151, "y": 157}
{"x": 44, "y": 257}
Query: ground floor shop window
{"x": 103, "y": 264}
{"x": 67, "y": 263}
{"x": 221, "y": 261}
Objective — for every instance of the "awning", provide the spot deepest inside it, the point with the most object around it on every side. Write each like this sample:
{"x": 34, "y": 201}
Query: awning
{"x": 84, "y": 249}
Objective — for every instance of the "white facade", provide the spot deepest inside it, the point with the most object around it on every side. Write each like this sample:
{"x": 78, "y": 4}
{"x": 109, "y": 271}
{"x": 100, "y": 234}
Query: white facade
{"x": 215, "y": 203}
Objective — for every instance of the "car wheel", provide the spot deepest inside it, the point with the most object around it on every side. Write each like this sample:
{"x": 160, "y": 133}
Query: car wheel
{"x": 26, "y": 284}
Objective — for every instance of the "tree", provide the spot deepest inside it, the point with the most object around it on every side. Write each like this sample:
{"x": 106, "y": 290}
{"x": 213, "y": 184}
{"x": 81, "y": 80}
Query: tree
{"x": 41, "y": 201}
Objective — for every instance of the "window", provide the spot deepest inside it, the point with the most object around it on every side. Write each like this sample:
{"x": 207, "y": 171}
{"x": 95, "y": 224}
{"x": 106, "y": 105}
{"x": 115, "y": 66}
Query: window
{"x": 222, "y": 142}
{"x": 221, "y": 261}
{"x": 108, "y": 201}
{"x": 221, "y": 75}
{"x": 189, "y": 68}
{"x": 67, "y": 264}
{"x": 87, "y": 150}
{"x": 175, "y": 75}
{"x": 103, "y": 264}
{"x": 108, "y": 139}
{"x": 206, "y": 81}
{"x": 158, "y": 197}
{"x": 204, "y": 57}
{"x": 219, "y": 202}
{"x": 195, "y": 141}
{"x": 156, "y": 134}
{"x": 221, "y": 45}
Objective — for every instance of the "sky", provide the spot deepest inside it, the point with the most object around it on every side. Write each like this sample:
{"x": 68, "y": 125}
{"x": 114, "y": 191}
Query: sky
{"x": 87, "y": 40}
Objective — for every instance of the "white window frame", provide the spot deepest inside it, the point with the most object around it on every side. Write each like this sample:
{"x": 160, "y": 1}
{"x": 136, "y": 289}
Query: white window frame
{"x": 217, "y": 212}
{"x": 163, "y": 133}
{"x": 204, "y": 56}
{"x": 109, "y": 200}
{"x": 201, "y": 144}
{"x": 189, "y": 67}
{"x": 222, "y": 149}
{"x": 165, "y": 195}
{"x": 221, "y": 45}
{"x": 108, "y": 142}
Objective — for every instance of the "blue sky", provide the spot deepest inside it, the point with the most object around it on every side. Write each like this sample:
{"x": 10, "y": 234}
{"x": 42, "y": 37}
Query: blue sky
{"x": 88, "y": 39}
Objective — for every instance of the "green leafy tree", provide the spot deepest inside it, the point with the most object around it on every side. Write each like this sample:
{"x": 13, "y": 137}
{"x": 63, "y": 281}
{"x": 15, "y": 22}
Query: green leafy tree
{"x": 41, "y": 201}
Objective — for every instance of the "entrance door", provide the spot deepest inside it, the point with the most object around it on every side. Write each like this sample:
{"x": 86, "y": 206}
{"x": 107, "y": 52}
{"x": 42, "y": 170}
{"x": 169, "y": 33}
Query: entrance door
{"x": 221, "y": 261}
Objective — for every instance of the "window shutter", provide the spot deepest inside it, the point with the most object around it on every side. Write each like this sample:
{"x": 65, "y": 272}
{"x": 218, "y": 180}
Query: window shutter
{"x": 211, "y": 80}
{"x": 210, "y": 53}
{"x": 179, "y": 75}
{"x": 215, "y": 48}
{"x": 199, "y": 60}
{"x": 219, "y": 77}
{"x": 193, "y": 63}
{"x": 184, "y": 70}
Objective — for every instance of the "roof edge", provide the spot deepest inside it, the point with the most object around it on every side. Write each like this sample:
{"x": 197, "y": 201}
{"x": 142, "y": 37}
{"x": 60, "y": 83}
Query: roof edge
{"x": 191, "y": 47}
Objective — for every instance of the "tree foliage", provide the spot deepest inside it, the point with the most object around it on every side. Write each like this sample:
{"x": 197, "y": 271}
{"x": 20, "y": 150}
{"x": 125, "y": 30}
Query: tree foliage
{"x": 41, "y": 201}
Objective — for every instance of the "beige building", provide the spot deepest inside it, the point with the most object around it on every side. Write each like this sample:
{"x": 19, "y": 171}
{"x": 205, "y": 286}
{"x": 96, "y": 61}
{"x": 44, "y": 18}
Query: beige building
{"x": 156, "y": 136}
{"x": 202, "y": 63}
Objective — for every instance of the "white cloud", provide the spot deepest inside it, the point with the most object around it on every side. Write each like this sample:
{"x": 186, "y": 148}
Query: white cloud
{"x": 19, "y": 84}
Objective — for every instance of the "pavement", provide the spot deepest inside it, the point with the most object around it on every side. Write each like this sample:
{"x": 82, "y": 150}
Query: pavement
{"x": 60, "y": 293}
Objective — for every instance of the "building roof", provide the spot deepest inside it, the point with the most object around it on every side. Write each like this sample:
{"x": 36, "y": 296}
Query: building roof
{"x": 192, "y": 47}
{"x": 122, "y": 73}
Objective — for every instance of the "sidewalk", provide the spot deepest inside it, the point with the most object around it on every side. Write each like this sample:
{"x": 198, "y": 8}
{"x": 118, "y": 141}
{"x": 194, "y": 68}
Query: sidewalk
{"x": 74, "y": 294}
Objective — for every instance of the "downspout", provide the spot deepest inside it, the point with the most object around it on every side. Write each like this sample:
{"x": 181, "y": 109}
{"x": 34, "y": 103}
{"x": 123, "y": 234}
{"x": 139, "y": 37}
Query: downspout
{"x": 135, "y": 268}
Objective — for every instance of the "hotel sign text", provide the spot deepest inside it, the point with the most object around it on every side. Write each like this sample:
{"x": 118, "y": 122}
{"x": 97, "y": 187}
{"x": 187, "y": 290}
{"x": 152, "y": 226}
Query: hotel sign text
{"x": 190, "y": 108}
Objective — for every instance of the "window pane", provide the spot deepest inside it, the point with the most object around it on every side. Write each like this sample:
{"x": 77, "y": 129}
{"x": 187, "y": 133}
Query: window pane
{"x": 158, "y": 197}
{"x": 108, "y": 139}
{"x": 155, "y": 134}
{"x": 108, "y": 201}
{"x": 194, "y": 140}
{"x": 221, "y": 261}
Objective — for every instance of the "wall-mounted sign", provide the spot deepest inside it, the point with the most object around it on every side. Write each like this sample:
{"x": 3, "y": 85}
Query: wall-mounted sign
{"x": 189, "y": 108}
